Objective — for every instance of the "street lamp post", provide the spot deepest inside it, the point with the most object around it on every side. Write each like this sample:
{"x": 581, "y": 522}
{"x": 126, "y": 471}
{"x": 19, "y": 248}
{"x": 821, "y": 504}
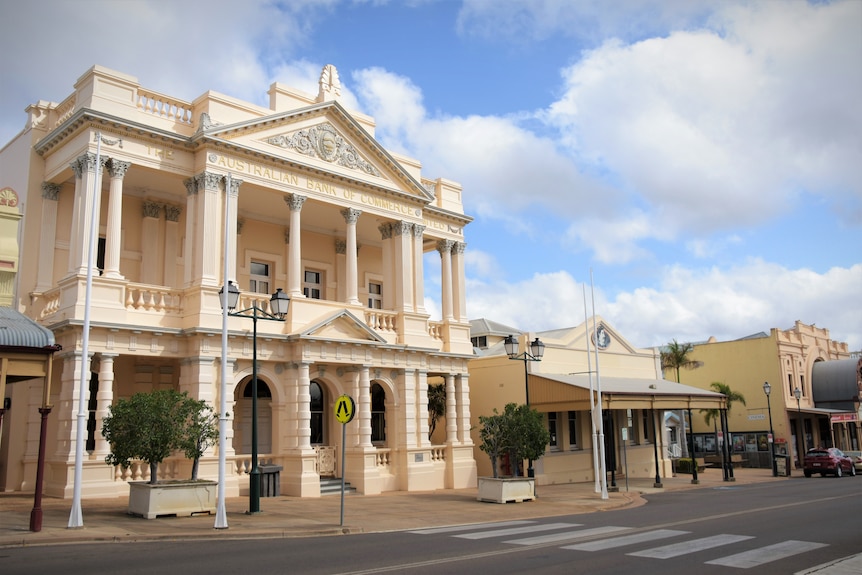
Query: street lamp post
{"x": 800, "y": 432}
{"x": 537, "y": 350}
{"x": 766, "y": 389}
{"x": 278, "y": 305}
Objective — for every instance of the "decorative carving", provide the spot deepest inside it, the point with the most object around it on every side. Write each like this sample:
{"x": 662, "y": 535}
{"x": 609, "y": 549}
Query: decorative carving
{"x": 97, "y": 136}
{"x": 294, "y": 202}
{"x": 329, "y": 84}
{"x": 385, "y": 230}
{"x": 325, "y": 142}
{"x": 50, "y": 191}
{"x": 351, "y": 215}
{"x": 172, "y": 213}
{"x": 444, "y": 246}
{"x": 459, "y": 248}
{"x": 118, "y": 168}
{"x": 152, "y": 209}
{"x": 418, "y": 230}
{"x": 231, "y": 185}
{"x": 340, "y": 246}
{"x": 402, "y": 228}
{"x": 8, "y": 197}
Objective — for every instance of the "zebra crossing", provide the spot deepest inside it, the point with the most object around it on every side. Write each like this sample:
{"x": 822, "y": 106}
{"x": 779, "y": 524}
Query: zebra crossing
{"x": 577, "y": 537}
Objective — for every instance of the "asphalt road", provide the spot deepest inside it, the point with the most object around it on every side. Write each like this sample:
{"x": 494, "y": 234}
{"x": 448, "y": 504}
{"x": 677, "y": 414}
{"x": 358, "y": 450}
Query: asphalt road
{"x": 771, "y": 528}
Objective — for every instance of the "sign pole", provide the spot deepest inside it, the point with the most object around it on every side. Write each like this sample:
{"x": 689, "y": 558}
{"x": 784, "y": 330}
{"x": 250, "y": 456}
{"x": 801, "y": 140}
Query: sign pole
{"x": 345, "y": 409}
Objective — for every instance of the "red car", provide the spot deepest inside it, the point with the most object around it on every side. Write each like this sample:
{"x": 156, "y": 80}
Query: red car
{"x": 827, "y": 460}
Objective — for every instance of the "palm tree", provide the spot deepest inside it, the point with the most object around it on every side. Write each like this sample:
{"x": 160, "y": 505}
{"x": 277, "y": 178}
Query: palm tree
{"x": 678, "y": 356}
{"x": 713, "y": 415}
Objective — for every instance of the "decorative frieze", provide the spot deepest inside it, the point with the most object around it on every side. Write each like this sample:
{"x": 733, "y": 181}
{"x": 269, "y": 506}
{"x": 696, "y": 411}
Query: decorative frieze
{"x": 324, "y": 142}
{"x": 50, "y": 191}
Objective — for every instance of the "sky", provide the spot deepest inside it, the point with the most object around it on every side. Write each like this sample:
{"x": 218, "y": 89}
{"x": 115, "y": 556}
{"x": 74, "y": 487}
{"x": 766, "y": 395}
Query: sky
{"x": 696, "y": 166}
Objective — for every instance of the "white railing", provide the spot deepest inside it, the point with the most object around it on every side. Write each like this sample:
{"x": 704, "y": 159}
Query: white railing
{"x": 153, "y": 298}
{"x": 65, "y": 110}
{"x": 140, "y": 471}
{"x": 164, "y": 107}
{"x": 384, "y": 457}
{"x": 674, "y": 450}
{"x": 382, "y": 321}
{"x": 438, "y": 453}
{"x": 435, "y": 330}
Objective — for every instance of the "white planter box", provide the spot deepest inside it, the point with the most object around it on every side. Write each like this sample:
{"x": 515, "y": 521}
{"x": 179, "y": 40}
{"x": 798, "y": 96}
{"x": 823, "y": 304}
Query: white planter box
{"x": 180, "y": 498}
{"x": 506, "y": 489}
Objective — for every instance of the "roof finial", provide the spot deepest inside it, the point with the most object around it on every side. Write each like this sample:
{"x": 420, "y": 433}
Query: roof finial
{"x": 330, "y": 85}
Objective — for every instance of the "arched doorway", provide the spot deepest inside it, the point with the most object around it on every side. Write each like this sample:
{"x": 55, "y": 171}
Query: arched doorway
{"x": 242, "y": 431}
{"x": 378, "y": 415}
{"x": 319, "y": 430}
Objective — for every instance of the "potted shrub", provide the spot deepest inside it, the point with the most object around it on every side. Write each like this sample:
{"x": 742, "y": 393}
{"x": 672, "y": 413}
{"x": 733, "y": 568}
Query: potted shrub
{"x": 150, "y": 427}
{"x": 520, "y": 433}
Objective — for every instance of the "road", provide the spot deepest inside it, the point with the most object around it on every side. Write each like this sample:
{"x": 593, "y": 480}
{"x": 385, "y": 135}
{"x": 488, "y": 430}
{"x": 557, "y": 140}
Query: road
{"x": 771, "y": 528}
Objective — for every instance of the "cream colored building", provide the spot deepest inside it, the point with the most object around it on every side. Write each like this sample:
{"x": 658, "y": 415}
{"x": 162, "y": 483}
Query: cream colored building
{"x": 296, "y": 196}
{"x": 788, "y": 360}
{"x": 634, "y": 399}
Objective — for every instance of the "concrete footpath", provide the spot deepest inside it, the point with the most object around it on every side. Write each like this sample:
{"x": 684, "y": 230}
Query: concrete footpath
{"x": 280, "y": 517}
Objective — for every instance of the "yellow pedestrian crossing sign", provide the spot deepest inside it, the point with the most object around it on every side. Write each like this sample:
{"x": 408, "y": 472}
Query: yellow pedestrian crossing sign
{"x": 345, "y": 409}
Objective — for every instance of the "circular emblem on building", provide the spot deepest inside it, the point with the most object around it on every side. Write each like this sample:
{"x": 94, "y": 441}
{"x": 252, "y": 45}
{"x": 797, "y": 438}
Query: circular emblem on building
{"x": 601, "y": 337}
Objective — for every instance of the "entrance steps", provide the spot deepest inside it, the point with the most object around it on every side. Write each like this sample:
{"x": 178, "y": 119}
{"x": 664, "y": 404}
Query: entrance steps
{"x": 332, "y": 486}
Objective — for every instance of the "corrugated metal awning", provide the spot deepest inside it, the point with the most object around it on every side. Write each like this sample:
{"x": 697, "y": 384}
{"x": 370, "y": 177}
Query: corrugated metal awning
{"x": 562, "y": 392}
{"x": 19, "y": 331}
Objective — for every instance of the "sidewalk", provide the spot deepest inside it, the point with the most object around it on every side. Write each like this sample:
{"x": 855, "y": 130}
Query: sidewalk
{"x": 106, "y": 519}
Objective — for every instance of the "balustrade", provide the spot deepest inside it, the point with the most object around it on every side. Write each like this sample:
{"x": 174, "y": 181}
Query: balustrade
{"x": 164, "y": 107}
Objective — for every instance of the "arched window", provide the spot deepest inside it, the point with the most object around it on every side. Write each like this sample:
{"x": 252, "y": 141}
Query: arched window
{"x": 316, "y": 405}
{"x": 263, "y": 391}
{"x": 378, "y": 414}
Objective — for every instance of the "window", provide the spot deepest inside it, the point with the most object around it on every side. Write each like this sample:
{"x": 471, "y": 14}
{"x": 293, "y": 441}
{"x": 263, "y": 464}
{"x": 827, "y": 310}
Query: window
{"x": 91, "y": 409}
{"x": 375, "y": 295}
{"x": 378, "y": 414}
{"x": 312, "y": 284}
{"x": 573, "y": 430}
{"x": 259, "y": 278}
{"x": 316, "y": 405}
{"x": 480, "y": 341}
{"x": 100, "y": 257}
{"x": 552, "y": 429}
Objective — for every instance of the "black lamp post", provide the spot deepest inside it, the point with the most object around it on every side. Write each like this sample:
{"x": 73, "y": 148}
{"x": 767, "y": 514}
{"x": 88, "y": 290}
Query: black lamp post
{"x": 766, "y": 389}
{"x": 278, "y": 305}
{"x": 800, "y": 444}
{"x": 537, "y": 350}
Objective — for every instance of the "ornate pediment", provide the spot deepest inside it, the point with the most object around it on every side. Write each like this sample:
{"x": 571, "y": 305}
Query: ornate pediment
{"x": 342, "y": 326}
{"x": 323, "y": 141}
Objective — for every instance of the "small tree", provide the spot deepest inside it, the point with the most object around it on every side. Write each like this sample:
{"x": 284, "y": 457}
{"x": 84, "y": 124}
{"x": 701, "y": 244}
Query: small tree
{"x": 519, "y": 431}
{"x": 150, "y": 426}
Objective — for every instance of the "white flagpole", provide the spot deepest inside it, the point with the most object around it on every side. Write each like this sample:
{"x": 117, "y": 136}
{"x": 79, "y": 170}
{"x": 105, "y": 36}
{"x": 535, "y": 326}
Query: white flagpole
{"x": 592, "y": 398}
{"x": 599, "y": 388}
{"x": 221, "y": 513}
{"x": 76, "y": 518}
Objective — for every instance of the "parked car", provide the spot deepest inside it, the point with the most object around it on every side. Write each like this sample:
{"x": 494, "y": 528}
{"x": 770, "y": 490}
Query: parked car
{"x": 856, "y": 456}
{"x": 827, "y": 460}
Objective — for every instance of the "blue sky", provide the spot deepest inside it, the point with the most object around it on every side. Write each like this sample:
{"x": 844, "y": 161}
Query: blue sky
{"x": 703, "y": 159}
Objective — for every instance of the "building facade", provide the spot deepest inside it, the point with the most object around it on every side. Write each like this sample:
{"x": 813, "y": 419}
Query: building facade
{"x": 590, "y": 382}
{"x": 788, "y": 360}
{"x": 173, "y": 198}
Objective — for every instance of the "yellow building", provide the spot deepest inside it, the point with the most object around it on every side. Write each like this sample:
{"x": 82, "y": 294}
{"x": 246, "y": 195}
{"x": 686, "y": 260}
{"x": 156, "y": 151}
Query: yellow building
{"x": 789, "y": 360}
{"x": 176, "y": 197}
{"x": 588, "y": 361}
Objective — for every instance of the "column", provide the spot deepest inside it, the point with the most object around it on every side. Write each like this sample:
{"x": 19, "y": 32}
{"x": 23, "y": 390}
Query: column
{"x": 203, "y": 258}
{"x": 67, "y": 414}
{"x": 412, "y": 411}
{"x": 151, "y": 212}
{"x": 294, "y": 261}
{"x": 172, "y": 224}
{"x": 188, "y": 245}
{"x": 351, "y": 216}
{"x": 402, "y": 236}
{"x": 232, "y": 185}
{"x": 364, "y": 407}
{"x": 303, "y": 408}
{"x": 341, "y": 269}
{"x": 104, "y": 399}
{"x": 88, "y": 214}
{"x": 418, "y": 269}
{"x": 388, "y": 267}
{"x": 117, "y": 169}
{"x": 459, "y": 288}
{"x": 48, "y": 237}
{"x": 445, "y": 249}
{"x": 451, "y": 411}
{"x": 462, "y": 389}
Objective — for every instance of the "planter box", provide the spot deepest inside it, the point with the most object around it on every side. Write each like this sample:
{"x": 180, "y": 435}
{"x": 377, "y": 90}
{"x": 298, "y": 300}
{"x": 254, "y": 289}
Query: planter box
{"x": 506, "y": 489}
{"x": 172, "y": 498}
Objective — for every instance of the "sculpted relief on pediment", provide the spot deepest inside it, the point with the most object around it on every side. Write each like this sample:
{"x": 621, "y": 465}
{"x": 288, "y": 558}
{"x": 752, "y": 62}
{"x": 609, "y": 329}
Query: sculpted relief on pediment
{"x": 324, "y": 142}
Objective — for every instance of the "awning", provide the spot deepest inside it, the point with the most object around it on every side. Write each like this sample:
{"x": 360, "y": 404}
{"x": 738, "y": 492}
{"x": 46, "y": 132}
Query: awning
{"x": 564, "y": 392}
{"x": 844, "y": 414}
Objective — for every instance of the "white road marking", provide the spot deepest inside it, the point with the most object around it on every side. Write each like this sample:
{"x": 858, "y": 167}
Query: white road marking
{"x": 767, "y": 554}
{"x": 516, "y": 531}
{"x": 459, "y": 528}
{"x": 626, "y": 540}
{"x": 693, "y": 546}
{"x": 567, "y": 535}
